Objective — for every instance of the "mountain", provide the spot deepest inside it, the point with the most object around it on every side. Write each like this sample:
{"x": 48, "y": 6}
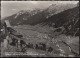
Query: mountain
{"x": 48, "y": 12}
{"x": 67, "y": 20}
{"x": 63, "y": 16}
{"x": 36, "y": 16}
{"x": 57, "y": 8}
{"x": 21, "y": 16}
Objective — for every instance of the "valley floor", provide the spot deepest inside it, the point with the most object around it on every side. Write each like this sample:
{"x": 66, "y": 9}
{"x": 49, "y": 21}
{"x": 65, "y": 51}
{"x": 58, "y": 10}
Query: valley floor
{"x": 63, "y": 46}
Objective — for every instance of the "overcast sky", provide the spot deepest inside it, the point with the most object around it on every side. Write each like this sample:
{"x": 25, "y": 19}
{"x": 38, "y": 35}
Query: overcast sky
{"x": 11, "y": 7}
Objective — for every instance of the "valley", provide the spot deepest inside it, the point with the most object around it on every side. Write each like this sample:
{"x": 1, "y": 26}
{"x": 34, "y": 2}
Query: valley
{"x": 49, "y": 32}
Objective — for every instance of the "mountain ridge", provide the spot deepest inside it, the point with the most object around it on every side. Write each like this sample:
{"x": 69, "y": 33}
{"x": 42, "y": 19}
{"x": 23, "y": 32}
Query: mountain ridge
{"x": 69, "y": 19}
{"x": 37, "y": 15}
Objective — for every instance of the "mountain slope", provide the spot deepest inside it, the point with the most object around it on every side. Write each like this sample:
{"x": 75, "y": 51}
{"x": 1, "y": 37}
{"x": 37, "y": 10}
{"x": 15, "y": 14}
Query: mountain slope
{"x": 37, "y": 16}
{"x": 48, "y": 12}
{"x": 69, "y": 19}
{"x": 21, "y": 16}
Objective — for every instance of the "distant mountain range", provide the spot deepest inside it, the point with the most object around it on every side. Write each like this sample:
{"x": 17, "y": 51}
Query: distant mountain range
{"x": 66, "y": 16}
{"x": 35, "y": 16}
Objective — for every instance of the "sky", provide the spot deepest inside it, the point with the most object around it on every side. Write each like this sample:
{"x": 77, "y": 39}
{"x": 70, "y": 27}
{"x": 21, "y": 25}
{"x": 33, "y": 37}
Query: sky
{"x": 11, "y": 7}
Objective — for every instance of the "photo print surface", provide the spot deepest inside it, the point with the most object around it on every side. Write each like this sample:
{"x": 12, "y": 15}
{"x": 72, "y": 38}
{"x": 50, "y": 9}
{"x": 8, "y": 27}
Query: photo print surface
{"x": 39, "y": 29}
